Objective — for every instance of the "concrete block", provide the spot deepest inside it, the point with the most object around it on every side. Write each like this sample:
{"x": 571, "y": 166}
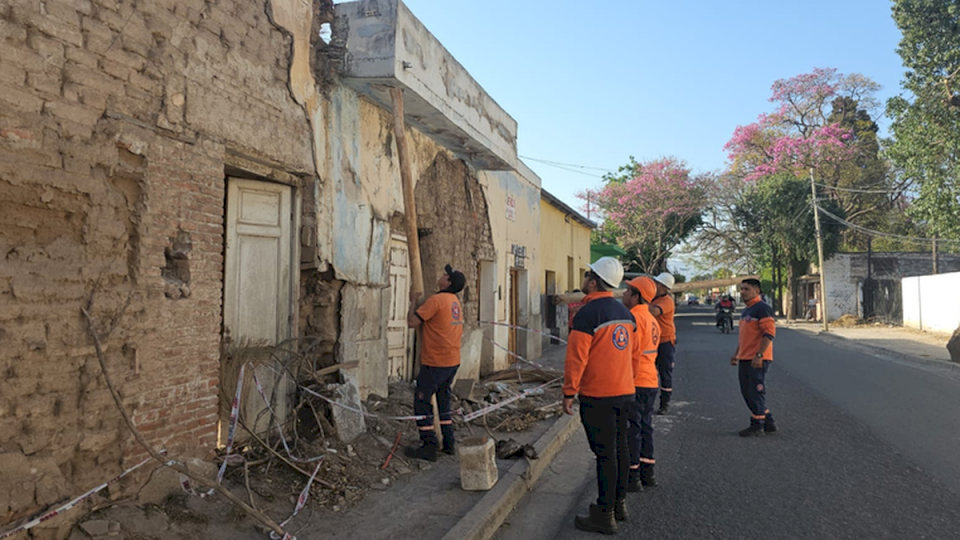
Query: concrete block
{"x": 349, "y": 424}
{"x": 470, "y": 351}
{"x": 463, "y": 388}
{"x": 478, "y": 464}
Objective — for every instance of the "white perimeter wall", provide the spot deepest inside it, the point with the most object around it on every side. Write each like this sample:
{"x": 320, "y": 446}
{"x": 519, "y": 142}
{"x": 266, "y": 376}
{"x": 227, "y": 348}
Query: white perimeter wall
{"x": 932, "y": 303}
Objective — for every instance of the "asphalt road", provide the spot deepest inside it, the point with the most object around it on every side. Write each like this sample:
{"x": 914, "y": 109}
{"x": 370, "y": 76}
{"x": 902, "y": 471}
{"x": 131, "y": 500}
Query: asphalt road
{"x": 869, "y": 448}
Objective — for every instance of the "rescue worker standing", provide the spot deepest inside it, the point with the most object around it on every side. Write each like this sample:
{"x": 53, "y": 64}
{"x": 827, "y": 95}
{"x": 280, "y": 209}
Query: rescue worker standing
{"x": 663, "y": 308}
{"x": 442, "y": 319}
{"x": 598, "y": 368}
{"x": 753, "y": 357}
{"x": 640, "y": 291}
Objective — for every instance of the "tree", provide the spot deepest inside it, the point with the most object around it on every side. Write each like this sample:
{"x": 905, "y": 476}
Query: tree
{"x": 649, "y": 208}
{"x": 926, "y": 118}
{"x": 824, "y": 121}
{"x": 721, "y": 241}
{"x": 778, "y": 212}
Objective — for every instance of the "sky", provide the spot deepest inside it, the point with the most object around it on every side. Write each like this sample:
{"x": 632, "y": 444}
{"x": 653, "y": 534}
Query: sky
{"x": 591, "y": 84}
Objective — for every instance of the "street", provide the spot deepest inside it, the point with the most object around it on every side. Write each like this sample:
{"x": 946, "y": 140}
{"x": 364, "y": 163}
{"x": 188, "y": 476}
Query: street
{"x": 868, "y": 448}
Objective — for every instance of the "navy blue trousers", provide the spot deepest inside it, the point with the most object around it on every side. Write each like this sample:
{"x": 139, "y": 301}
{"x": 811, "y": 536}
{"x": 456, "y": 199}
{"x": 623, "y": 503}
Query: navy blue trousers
{"x": 753, "y": 387}
{"x": 666, "y": 357}
{"x": 605, "y": 421}
{"x": 640, "y": 432}
{"x": 434, "y": 380}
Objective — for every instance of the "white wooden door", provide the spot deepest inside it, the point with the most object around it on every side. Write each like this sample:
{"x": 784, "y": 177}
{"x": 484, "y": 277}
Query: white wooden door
{"x": 257, "y": 305}
{"x": 398, "y": 335}
{"x": 257, "y": 271}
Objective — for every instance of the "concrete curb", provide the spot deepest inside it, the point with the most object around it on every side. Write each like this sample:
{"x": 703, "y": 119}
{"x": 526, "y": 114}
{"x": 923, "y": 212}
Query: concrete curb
{"x": 483, "y": 520}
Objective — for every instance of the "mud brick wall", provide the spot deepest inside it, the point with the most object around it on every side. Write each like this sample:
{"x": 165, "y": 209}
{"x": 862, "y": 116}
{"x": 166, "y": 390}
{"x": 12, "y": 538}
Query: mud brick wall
{"x": 113, "y": 147}
{"x": 454, "y": 227}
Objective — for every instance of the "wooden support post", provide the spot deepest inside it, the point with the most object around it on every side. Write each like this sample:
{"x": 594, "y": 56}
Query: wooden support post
{"x": 410, "y": 214}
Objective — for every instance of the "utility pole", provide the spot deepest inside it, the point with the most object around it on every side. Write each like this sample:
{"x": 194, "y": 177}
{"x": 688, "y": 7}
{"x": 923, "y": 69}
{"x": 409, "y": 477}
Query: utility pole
{"x": 936, "y": 269}
{"x": 823, "y": 279}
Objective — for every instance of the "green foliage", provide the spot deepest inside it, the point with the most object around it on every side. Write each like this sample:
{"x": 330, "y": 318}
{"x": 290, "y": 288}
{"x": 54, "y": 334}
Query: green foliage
{"x": 926, "y": 118}
{"x": 777, "y": 208}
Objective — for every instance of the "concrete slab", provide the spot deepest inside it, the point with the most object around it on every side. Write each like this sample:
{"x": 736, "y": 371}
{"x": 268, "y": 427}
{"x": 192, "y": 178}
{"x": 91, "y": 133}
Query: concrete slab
{"x": 387, "y": 46}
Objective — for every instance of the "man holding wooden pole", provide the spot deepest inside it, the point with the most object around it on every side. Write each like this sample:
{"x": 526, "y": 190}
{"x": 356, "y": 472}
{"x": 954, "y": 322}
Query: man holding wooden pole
{"x": 441, "y": 318}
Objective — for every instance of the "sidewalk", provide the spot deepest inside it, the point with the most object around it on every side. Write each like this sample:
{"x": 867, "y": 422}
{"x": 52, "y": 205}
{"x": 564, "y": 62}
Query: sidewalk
{"x": 885, "y": 339}
{"x": 428, "y": 504}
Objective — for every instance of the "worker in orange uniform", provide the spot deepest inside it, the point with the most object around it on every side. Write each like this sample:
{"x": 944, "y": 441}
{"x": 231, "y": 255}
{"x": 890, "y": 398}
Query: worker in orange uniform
{"x": 663, "y": 308}
{"x": 753, "y": 356}
{"x": 599, "y": 369}
{"x": 442, "y": 319}
{"x": 640, "y": 291}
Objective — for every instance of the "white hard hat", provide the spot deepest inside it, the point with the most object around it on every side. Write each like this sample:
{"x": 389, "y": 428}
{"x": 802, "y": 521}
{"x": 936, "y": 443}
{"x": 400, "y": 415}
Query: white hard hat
{"x": 666, "y": 279}
{"x": 609, "y": 269}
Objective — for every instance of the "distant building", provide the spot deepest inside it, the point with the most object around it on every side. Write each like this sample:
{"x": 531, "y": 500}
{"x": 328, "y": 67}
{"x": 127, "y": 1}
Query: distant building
{"x": 867, "y": 285}
{"x": 565, "y": 254}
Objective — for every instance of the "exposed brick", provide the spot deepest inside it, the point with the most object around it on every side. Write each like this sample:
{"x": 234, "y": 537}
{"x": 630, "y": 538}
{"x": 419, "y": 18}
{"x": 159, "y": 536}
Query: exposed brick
{"x": 73, "y": 112}
{"x": 84, "y": 76}
{"x": 49, "y": 83}
{"x": 20, "y": 99}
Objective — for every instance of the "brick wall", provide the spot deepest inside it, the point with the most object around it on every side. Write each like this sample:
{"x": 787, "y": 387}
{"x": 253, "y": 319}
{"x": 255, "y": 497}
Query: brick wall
{"x": 452, "y": 218}
{"x": 112, "y": 155}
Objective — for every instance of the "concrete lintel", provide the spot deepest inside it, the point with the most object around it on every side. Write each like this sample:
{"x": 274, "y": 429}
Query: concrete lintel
{"x": 388, "y": 47}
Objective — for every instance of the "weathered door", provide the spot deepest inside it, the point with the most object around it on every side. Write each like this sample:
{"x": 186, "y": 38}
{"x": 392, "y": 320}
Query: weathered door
{"x": 257, "y": 281}
{"x": 398, "y": 335}
{"x": 256, "y": 299}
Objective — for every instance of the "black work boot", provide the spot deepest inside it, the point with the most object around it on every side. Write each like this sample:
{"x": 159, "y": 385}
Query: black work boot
{"x": 449, "y": 441}
{"x": 599, "y": 520}
{"x": 633, "y": 481}
{"x": 427, "y": 451}
{"x": 755, "y": 430}
{"x": 620, "y": 511}
{"x": 647, "y": 477}
{"x": 769, "y": 425}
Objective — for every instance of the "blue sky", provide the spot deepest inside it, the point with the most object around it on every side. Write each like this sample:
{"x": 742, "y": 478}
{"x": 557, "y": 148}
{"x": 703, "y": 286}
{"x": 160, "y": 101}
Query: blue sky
{"x": 593, "y": 83}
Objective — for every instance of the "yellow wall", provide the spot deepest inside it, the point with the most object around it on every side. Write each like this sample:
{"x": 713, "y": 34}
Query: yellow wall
{"x": 559, "y": 239}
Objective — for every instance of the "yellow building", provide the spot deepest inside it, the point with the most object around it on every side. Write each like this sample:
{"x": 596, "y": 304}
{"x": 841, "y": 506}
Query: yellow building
{"x": 564, "y": 245}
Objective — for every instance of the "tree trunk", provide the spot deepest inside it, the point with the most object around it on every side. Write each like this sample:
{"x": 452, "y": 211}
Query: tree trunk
{"x": 791, "y": 292}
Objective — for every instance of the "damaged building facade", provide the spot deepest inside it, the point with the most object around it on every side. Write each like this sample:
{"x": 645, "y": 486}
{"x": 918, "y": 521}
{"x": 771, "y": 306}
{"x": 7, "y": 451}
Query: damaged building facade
{"x": 204, "y": 177}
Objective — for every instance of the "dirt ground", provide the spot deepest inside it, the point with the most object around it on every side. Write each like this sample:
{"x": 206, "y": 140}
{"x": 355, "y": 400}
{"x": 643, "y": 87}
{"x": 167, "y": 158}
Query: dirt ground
{"x": 347, "y": 473}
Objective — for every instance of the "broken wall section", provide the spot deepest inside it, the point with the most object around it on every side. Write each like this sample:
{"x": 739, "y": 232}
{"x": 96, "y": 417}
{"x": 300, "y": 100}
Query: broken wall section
{"x": 117, "y": 121}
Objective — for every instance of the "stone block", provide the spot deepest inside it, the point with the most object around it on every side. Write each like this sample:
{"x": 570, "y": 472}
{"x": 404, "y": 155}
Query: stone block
{"x": 470, "y": 352}
{"x": 478, "y": 463}
{"x": 349, "y": 424}
{"x": 166, "y": 481}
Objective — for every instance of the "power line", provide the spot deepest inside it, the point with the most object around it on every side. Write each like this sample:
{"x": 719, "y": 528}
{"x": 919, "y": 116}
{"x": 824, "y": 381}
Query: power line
{"x": 561, "y": 164}
{"x": 856, "y": 190}
{"x": 872, "y": 232}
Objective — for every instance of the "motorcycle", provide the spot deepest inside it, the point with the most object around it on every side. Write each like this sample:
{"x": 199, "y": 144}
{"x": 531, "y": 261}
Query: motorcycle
{"x": 725, "y": 320}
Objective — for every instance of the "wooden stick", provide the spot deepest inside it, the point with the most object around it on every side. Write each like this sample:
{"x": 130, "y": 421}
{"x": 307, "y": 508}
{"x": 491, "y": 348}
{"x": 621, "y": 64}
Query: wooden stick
{"x": 166, "y": 461}
{"x": 410, "y": 213}
{"x": 334, "y": 368}
{"x": 569, "y": 298}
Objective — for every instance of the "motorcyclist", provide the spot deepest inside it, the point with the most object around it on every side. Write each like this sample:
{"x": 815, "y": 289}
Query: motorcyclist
{"x": 724, "y": 308}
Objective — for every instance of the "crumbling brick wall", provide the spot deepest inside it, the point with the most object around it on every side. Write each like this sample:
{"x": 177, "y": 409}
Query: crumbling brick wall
{"x": 117, "y": 120}
{"x": 454, "y": 228}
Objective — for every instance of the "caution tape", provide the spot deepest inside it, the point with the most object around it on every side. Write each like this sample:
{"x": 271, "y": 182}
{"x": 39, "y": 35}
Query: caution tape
{"x": 487, "y": 410}
{"x": 232, "y": 429}
{"x": 301, "y": 502}
{"x": 525, "y": 329}
{"x": 57, "y": 511}
{"x": 515, "y": 355}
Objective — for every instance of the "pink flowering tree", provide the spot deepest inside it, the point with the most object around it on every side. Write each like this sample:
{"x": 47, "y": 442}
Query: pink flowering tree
{"x": 804, "y": 131}
{"x": 649, "y": 210}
